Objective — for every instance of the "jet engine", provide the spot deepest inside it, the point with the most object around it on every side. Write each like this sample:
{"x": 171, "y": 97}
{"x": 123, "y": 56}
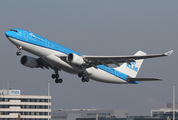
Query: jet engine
{"x": 29, "y": 61}
{"x": 75, "y": 59}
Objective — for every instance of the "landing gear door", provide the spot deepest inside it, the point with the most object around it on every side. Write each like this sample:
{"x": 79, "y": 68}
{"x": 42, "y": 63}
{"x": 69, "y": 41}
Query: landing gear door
{"x": 25, "y": 34}
{"x": 46, "y": 43}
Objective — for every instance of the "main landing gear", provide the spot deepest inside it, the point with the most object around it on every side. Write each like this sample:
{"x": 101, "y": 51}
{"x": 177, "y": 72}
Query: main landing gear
{"x": 19, "y": 48}
{"x": 84, "y": 77}
{"x": 56, "y": 77}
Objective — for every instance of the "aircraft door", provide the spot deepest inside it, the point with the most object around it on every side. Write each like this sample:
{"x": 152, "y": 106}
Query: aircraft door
{"x": 25, "y": 35}
{"x": 46, "y": 43}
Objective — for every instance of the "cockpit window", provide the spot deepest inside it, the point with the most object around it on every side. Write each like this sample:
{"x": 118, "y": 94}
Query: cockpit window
{"x": 14, "y": 30}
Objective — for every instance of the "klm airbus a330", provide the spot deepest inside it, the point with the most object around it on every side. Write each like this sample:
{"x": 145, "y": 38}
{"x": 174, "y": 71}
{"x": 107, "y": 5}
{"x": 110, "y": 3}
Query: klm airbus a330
{"x": 57, "y": 57}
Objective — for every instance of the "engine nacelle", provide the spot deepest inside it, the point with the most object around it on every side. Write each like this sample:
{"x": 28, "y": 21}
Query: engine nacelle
{"x": 29, "y": 61}
{"x": 75, "y": 59}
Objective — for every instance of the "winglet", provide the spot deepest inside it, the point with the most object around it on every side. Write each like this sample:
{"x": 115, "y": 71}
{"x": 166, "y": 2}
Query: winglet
{"x": 169, "y": 53}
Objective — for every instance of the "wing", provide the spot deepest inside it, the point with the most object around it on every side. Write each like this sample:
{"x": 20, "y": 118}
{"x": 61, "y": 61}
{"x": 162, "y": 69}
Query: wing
{"x": 105, "y": 60}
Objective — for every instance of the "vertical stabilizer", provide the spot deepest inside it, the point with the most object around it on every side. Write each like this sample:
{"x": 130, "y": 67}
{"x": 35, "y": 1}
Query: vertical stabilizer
{"x": 132, "y": 68}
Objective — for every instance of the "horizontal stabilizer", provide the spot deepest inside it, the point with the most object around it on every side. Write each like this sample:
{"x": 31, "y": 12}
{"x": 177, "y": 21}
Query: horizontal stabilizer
{"x": 169, "y": 53}
{"x": 144, "y": 79}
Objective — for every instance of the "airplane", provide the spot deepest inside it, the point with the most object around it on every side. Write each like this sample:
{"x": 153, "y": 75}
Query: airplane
{"x": 57, "y": 57}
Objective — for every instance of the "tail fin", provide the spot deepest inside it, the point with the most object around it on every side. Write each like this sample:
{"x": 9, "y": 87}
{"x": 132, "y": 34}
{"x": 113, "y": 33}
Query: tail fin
{"x": 132, "y": 68}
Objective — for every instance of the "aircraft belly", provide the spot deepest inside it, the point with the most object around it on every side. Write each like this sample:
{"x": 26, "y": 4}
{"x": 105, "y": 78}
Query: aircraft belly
{"x": 62, "y": 65}
{"x": 103, "y": 76}
{"x": 47, "y": 55}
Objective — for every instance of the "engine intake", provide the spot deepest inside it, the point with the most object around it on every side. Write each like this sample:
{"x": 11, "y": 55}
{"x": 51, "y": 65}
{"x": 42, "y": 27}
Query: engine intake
{"x": 75, "y": 59}
{"x": 29, "y": 61}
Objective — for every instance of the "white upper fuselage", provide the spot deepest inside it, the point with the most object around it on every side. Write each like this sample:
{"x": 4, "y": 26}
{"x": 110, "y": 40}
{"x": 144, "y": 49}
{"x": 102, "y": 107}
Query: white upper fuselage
{"x": 50, "y": 52}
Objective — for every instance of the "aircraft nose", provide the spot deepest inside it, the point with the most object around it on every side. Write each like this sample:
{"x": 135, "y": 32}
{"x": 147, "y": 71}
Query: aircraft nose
{"x": 7, "y": 33}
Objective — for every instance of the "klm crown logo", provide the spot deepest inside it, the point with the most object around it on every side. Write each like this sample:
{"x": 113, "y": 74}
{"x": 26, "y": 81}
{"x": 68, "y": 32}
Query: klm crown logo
{"x": 132, "y": 66}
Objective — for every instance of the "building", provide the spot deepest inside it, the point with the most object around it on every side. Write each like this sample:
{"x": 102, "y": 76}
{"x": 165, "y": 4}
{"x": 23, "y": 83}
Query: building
{"x": 87, "y": 113}
{"x": 30, "y": 107}
{"x": 141, "y": 118}
{"x": 165, "y": 112}
{"x": 161, "y": 114}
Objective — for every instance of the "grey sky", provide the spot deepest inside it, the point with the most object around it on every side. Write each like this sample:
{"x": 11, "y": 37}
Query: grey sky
{"x": 117, "y": 27}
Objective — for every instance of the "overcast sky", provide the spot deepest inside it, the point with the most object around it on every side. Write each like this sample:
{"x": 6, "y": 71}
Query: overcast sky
{"x": 113, "y": 27}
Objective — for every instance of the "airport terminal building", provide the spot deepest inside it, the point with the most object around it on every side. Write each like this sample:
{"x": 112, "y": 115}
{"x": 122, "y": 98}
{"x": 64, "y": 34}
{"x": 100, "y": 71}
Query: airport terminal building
{"x": 73, "y": 114}
{"x": 35, "y": 107}
{"x": 30, "y": 107}
{"x": 165, "y": 112}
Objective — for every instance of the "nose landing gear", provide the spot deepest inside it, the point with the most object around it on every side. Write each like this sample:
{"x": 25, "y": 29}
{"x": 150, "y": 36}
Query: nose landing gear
{"x": 19, "y": 48}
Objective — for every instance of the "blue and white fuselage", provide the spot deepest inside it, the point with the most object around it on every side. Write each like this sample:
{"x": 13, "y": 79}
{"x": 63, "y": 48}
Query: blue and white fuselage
{"x": 59, "y": 57}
